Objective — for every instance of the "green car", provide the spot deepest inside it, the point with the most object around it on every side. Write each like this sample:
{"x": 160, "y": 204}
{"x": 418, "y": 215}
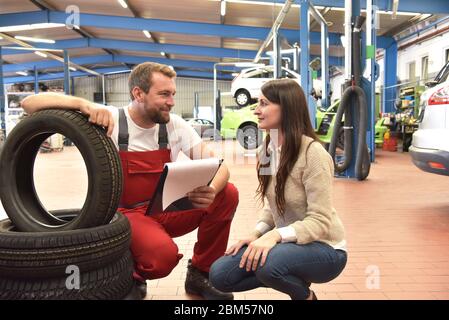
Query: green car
{"x": 241, "y": 124}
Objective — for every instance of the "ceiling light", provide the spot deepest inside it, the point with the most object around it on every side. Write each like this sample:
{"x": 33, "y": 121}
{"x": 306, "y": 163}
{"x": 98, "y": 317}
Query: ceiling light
{"x": 31, "y": 27}
{"x": 248, "y": 64}
{"x": 123, "y": 3}
{"x": 223, "y": 8}
{"x": 31, "y": 39}
{"x": 162, "y": 53}
{"x": 147, "y": 34}
{"x": 72, "y": 69}
{"x": 22, "y": 73}
{"x": 43, "y": 55}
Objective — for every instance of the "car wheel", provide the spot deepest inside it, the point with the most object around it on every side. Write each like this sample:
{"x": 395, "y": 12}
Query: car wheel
{"x": 242, "y": 98}
{"x": 110, "y": 282}
{"x": 47, "y": 254}
{"x": 17, "y": 189}
{"x": 249, "y": 137}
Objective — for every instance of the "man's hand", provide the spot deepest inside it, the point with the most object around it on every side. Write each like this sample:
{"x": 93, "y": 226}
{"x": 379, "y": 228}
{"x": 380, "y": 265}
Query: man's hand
{"x": 99, "y": 115}
{"x": 258, "y": 250}
{"x": 202, "y": 197}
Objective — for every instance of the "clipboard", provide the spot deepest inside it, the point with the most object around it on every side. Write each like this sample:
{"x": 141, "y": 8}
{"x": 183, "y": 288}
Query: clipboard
{"x": 181, "y": 203}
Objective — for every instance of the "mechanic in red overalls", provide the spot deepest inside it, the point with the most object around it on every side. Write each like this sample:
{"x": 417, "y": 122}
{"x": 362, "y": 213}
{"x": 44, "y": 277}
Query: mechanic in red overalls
{"x": 145, "y": 133}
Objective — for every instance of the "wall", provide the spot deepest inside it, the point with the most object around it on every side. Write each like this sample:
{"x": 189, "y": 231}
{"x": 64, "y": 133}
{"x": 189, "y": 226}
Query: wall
{"x": 86, "y": 86}
{"x": 117, "y": 91}
{"x": 435, "y": 48}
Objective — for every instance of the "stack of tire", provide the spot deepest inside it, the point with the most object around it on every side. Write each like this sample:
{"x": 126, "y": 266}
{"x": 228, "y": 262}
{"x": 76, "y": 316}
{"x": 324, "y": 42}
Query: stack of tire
{"x": 64, "y": 254}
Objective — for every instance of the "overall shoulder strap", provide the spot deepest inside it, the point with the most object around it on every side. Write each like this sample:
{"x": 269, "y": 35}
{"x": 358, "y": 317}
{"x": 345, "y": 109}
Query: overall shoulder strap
{"x": 163, "y": 136}
{"x": 123, "y": 135}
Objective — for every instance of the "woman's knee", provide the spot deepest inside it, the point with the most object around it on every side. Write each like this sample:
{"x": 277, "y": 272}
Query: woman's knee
{"x": 268, "y": 273}
{"x": 219, "y": 273}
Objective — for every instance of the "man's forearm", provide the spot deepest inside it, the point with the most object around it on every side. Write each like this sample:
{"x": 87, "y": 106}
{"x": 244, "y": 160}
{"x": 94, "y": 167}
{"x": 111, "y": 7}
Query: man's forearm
{"x": 52, "y": 100}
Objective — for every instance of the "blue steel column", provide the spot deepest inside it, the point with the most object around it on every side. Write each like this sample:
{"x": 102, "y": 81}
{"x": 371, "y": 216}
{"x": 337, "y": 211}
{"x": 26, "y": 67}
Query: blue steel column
{"x": 36, "y": 81}
{"x": 2, "y": 97}
{"x": 390, "y": 70}
{"x": 66, "y": 73}
{"x": 304, "y": 41}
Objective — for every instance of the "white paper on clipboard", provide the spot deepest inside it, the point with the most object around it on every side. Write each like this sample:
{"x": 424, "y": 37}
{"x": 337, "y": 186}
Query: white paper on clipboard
{"x": 185, "y": 176}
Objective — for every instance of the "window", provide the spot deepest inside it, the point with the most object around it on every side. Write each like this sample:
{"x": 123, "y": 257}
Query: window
{"x": 411, "y": 71}
{"x": 424, "y": 68}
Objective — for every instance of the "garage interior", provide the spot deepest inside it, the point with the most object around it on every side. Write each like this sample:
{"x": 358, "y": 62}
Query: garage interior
{"x": 396, "y": 221}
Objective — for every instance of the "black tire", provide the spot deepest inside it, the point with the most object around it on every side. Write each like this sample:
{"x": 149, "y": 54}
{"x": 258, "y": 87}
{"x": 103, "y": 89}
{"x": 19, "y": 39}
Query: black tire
{"x": 242, "y": 97}
{"x": 249, "y": 137}
{"x": 111, "y": 282}
{"x": 47, "y": 254}
{"x": 17, "y": 190}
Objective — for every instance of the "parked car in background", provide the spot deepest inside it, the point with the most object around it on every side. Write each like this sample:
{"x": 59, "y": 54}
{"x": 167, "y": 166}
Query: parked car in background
{"x": 430, "y": 143}
{"x": 203, "y": 127}
{"x": 245, "y": 88}
{"x": 241, "y": 124}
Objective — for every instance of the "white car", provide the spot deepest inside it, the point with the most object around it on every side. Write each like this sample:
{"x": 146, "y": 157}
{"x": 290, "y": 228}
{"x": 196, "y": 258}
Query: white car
{"x": 430, "y": 144}
{"x": 203, "y": 127}
{"x": 245, "y": 88}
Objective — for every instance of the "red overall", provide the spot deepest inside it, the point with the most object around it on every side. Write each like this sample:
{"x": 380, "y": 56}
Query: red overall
{"x": 155, "y": 253}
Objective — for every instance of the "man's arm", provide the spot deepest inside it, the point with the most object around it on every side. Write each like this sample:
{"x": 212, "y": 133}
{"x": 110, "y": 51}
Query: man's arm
{"x": 97, "y": 114}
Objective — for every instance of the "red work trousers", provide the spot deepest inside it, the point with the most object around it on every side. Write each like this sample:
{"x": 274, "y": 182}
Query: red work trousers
{"x": 156, "y": 254}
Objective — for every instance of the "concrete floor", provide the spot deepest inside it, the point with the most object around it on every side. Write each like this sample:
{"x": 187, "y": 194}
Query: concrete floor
{"x": 397, "y": 225}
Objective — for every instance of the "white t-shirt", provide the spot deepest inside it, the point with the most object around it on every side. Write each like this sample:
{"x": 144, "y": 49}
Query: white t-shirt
{"x": 181, "y": 136}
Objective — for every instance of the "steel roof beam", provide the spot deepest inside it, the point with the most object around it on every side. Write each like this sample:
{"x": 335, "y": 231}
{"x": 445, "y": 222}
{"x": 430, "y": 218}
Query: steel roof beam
{"x": 118, "y": 69}
{"x": 169, "y": 26}
{"x": 153, "y": 47}
{"x": 415, "y": 6}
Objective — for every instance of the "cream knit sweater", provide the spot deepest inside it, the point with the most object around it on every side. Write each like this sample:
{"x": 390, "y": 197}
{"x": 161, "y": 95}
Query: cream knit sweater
{"x": 308, "y": 199}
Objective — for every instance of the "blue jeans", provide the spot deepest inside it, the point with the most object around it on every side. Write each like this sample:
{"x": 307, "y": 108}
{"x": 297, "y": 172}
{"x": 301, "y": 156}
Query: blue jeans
{"x": 289, "y": 268}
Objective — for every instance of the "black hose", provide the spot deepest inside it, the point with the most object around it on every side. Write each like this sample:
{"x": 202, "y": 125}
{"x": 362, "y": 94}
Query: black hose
{"x": 362, "y": 160}
{"x": 342, "y": 109}
{"x": 353, "y": 94}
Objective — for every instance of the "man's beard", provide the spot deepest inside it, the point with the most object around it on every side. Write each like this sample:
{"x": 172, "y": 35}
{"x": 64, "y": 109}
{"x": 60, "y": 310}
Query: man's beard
{"x": 157, "y": 117}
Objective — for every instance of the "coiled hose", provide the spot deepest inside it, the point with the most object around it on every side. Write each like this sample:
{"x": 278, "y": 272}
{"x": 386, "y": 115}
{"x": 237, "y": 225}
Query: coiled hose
{"x": 362, "y": 161}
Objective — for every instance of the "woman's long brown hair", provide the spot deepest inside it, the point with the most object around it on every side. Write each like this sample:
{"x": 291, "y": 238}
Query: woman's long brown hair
{"x": 295, "y": 122}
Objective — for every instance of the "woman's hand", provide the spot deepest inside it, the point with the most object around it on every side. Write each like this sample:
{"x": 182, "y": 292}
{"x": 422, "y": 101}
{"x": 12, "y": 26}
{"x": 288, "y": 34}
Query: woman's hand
{"x": 232, "y": 250}
{"x": 258, "y": 250}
